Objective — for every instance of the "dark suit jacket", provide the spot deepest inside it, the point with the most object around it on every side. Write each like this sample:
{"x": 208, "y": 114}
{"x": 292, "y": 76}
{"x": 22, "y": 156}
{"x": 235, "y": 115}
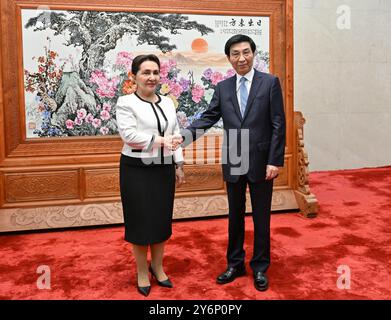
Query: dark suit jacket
{"x": 264, "y": 118}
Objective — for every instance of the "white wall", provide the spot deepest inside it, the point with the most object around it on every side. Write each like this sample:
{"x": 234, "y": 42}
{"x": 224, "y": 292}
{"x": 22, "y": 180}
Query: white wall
{"x": 343, "y": 82}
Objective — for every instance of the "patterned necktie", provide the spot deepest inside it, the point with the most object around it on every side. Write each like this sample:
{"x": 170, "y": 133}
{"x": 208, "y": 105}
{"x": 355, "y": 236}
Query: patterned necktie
{"x": 243, "y": 95}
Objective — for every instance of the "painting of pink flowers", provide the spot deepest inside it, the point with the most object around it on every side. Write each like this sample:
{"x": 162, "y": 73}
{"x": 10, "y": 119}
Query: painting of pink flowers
{"x": 72, "y": 78}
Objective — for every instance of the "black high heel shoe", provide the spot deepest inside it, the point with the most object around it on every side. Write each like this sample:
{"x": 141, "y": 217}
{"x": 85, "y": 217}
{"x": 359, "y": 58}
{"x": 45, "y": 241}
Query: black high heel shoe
{"x": 165, "y": 283}
{"x": 144, "y": 290}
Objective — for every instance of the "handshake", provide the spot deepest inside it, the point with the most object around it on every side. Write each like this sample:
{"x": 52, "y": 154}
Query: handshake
{"x": 173, "y": 142}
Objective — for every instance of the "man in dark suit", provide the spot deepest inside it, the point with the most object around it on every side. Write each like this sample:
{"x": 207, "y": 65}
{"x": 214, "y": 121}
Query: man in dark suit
{"x": 251, "y": 106}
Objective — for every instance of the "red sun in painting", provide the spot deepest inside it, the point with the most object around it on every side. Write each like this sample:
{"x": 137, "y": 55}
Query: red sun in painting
{"x": 199, "y": 45}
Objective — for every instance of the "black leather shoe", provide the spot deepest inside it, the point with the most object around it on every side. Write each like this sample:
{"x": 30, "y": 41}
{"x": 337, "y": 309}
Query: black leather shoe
{"x": 261, "y": 282}
{"x": 165, "y": 283}
{"x": 230, "y": 275}
{"x": 144, "y": 290}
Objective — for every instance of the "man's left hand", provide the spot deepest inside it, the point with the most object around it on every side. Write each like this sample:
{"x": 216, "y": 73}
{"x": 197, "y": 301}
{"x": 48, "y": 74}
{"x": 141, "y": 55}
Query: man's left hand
{"x": 271, "y": 172}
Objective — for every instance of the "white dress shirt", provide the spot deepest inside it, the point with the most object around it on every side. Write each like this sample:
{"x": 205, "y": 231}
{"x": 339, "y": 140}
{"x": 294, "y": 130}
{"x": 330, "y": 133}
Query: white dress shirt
{"x": 138, "y": 125}
{"x": 249, "y": 76}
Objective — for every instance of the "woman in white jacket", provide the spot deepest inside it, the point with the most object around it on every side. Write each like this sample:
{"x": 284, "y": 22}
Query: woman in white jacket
{"x": 151, "y": 162}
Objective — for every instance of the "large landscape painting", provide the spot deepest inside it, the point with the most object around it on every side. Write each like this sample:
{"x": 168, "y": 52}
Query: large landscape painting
{"x": 77, "y": 63}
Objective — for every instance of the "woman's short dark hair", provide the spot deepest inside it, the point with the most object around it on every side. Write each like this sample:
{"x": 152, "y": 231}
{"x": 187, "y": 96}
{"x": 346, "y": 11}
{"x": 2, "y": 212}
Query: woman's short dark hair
{"x": 238, "y": 38}
{"x": 137, "y": 61}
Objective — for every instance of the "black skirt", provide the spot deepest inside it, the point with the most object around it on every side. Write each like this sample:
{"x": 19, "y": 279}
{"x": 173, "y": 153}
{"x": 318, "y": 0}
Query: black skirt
{"x": 147, "y": 195}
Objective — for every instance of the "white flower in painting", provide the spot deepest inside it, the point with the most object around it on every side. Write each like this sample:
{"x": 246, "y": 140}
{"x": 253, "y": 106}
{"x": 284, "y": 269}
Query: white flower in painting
{"x": 81, "y": 114}
{"x": 89, "y": 118}
{"x": 78, "y": 121}
{"x": 104, "y": 130}
{"x": 96, "y": 122}
{"x": 105, "y": 115}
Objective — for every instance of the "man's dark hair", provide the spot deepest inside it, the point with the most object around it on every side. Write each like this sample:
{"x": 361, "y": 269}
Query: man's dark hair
{"x": 238, "y": 38}
{"x": 137, "y": 61}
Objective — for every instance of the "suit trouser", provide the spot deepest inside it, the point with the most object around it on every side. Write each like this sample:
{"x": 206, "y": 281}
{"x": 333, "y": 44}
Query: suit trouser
{"x": 261, "y": 196}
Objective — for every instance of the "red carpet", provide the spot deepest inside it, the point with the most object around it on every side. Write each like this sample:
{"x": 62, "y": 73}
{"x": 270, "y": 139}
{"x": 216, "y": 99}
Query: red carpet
{"x": 353, "y": 228}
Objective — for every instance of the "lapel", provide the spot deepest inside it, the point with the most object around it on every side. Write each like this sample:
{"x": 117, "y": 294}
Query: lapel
{"x": 257, "y": 80}
{"x": 234, "y": 97}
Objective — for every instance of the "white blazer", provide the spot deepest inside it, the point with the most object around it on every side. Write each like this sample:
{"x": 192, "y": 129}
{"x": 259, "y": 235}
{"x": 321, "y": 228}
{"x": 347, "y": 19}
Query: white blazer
{"x": 139, "y": 122}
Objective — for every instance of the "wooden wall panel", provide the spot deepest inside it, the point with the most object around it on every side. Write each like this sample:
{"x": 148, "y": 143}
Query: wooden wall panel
{"x": 101, "y": 183}
{"x": 2, "y": 189}
{"x": 41, "y": 186}
{"x": 207, "y": 176}
{"x": 283, "y": 176}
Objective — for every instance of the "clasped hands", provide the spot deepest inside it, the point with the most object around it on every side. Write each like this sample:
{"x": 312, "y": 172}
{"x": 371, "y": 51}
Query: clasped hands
{"x": 173, "y": 142}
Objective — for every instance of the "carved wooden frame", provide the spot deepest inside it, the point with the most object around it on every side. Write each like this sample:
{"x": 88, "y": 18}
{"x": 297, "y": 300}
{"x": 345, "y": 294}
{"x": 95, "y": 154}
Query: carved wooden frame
{"x": 72, "y": 176}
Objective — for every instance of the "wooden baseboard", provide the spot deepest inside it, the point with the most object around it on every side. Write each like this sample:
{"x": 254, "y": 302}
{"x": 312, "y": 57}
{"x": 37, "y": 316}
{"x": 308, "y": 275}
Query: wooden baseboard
{"x": 54, "y": 217}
